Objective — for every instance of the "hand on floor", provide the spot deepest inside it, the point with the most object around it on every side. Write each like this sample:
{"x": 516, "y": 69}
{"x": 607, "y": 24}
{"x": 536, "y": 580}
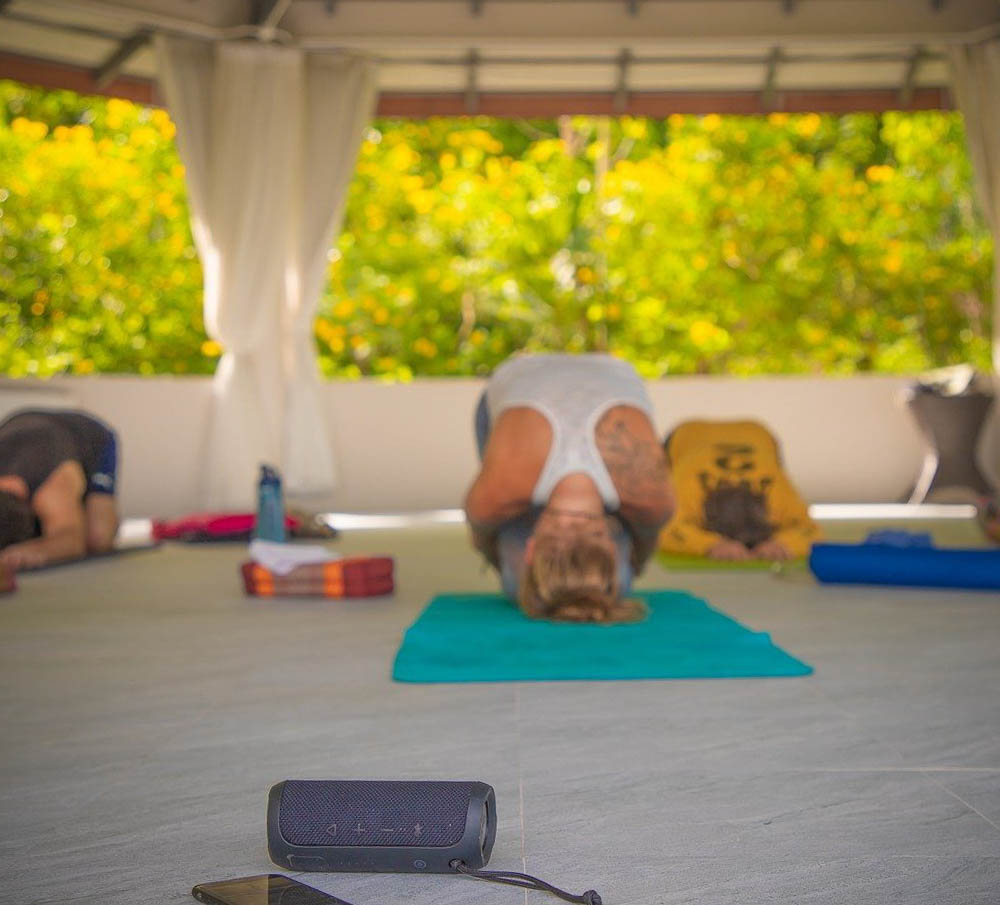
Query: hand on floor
{"x": 729, "y": 550}
{"x": 773, "y": 550}
{"x": 18, "y": 559}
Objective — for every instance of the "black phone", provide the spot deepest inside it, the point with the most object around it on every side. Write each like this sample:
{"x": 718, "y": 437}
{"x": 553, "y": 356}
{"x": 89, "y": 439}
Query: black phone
{"x": 266, "y": 889}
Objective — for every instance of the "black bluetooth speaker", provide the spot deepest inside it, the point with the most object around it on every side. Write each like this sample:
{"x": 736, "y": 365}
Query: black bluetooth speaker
{"x": 369, "y": 825}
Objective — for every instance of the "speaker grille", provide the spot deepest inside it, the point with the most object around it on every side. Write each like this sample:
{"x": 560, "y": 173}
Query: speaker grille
{"x": 355, "y": 812}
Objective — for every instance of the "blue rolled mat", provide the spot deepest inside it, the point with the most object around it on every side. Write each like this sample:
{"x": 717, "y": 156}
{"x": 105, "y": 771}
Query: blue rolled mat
{"x": 920, "y": 567}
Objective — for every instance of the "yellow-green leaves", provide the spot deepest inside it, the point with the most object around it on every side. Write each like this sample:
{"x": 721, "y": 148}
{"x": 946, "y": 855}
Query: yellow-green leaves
{"x": 712, "y": 244}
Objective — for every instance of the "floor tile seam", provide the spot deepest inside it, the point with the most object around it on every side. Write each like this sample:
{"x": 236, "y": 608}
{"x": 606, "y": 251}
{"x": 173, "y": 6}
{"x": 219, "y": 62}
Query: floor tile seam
{"x": 845, "y": 859}
{"x": 520, "y": 780}
{"x": 805, "y": 772}
{"x": 907, "y": 769}
{"x": 937, "y": 782}
{"x": 856, "y": 721}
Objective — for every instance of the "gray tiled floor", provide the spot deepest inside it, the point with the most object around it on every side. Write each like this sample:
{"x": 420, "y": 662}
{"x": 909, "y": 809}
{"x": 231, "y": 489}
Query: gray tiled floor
{"x": 147, "y": 706}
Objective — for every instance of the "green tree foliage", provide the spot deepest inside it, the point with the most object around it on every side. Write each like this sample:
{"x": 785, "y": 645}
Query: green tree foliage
{"x": 709, "y": 244}
{"x": 98, "y": 271}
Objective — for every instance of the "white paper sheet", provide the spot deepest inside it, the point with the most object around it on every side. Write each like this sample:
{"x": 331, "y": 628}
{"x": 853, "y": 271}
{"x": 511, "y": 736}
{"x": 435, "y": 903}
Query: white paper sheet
{"x": 282, "y": 558}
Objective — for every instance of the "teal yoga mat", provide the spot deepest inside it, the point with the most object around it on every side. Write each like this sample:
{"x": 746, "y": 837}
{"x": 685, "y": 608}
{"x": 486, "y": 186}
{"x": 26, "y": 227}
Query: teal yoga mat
{"x": 485, "y": 638}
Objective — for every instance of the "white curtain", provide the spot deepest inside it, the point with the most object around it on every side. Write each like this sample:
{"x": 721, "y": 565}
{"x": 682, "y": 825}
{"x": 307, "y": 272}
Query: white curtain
{"x": 268, "y": 136}
{"x": 339, "y": 99}
{"x": 976, "y": 79}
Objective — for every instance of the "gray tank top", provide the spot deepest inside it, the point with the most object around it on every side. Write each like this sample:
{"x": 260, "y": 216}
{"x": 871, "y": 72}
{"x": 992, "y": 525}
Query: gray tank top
{"x": 572, "y": 392}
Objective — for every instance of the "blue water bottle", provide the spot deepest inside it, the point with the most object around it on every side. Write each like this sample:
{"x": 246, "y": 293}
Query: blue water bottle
{"x": 270, "y": 506}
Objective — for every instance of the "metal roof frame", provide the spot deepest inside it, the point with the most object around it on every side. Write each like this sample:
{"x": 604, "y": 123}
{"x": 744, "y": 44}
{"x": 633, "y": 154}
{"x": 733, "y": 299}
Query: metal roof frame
{"x": 456, "y": 57}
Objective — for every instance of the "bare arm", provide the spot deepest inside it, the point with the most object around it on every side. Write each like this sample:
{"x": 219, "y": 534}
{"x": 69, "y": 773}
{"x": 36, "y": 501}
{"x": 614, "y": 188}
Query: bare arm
{"x": 796, "y": 531}
{"x": 512, "y": 460}
{"x": 685, "y": 536}
{"x": 485, "y": 514}
{"x": 57, "y": 503}
{"x": 482, "y": 529}
{"x": 101, "y": 515}
{"x": 638, "y": 467}
{"x": 645, "y": 535}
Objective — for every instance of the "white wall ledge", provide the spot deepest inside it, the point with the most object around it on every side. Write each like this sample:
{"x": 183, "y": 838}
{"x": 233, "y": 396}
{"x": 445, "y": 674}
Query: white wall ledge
{"x": 404, "y": 448}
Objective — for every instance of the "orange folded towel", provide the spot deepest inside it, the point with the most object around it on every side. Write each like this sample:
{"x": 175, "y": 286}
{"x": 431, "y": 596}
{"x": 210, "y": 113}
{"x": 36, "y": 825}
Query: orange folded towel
{"x": 359, "y": 576}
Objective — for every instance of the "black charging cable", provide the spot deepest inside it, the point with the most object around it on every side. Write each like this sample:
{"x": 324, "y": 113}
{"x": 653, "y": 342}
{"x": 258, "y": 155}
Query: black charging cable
{"x": 526, "y": 881}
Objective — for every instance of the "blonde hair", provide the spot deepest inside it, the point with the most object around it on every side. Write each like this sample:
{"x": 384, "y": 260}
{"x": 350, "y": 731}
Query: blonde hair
{"x": 575, "y": 580}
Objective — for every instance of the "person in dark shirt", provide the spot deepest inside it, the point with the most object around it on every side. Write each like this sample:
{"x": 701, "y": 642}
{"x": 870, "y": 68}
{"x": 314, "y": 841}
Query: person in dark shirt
{"x": 57, "y": 487}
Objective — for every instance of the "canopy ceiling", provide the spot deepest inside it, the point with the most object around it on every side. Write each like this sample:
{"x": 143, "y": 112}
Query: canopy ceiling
{"x": 537, "y": 57}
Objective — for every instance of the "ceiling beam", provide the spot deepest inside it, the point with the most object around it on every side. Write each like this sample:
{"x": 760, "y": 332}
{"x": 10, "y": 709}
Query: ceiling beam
{"x": 49, "y": 74}
{"x": 365, "y": 25}
{"x": 549, "y": 105}
{"x": 449, "y": 59}
{"x": 109, "y": 69}
{"x": 663, "y": 25}
{"x": 543, "y": 104}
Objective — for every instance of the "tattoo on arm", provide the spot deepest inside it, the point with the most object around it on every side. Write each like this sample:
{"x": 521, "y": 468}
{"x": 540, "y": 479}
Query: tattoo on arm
{"x": 638, "y": 468}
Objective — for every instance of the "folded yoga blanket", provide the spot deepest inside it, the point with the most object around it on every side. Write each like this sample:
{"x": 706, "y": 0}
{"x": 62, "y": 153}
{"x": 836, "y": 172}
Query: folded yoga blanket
{"x": 485, "y": 638}
{"x": 359, "y": 576}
